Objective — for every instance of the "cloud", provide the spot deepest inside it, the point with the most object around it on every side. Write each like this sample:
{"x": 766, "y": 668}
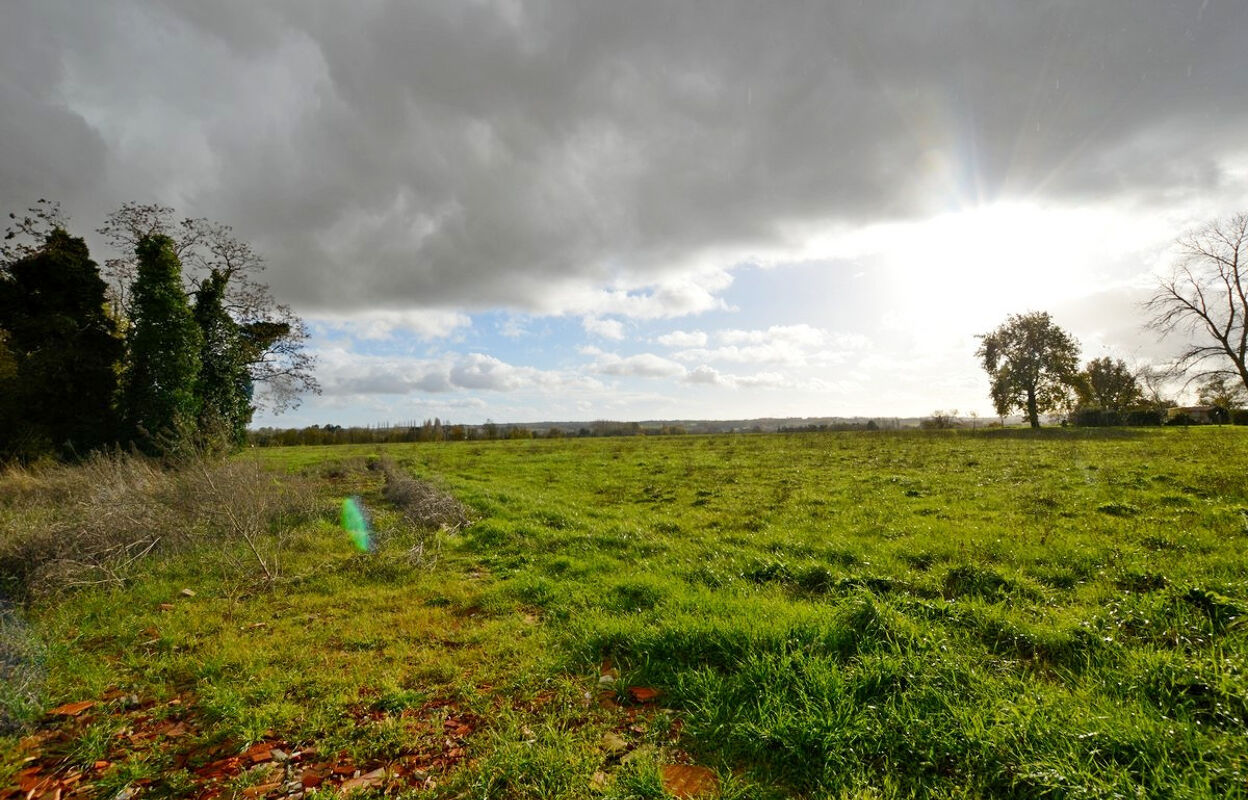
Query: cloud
{"x": 598, "y": 158}
{"x": 344, "y": 373}
{"x": 780, "y": 345}
{"x": 382, "y": 324}
{"x": 710, "y": 376}
{"x": 643, "y": 365}
{"x": 606, "y": 328}
{"x": 683, "y": 339}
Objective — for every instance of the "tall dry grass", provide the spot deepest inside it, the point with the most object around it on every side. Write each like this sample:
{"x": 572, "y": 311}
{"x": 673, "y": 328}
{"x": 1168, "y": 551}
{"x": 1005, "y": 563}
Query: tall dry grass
{"x": 93, "y": 523}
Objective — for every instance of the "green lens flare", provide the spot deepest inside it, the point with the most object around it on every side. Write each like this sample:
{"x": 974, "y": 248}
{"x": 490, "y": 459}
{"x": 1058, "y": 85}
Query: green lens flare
{"x": 356, "y": 524}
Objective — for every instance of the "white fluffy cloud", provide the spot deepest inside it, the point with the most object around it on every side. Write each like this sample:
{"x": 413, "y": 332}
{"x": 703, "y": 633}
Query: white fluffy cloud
{"x": 343, "y": 372}
{"x": 779, "y": 345}
{"x": 683, "y": 339}
{"x": 383, "y": 324}
{"x": 605, "y": 328}
{"x": 642, "y": 365}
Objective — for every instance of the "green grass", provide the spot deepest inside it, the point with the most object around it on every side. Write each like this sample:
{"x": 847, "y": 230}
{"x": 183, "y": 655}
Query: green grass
{"x": 1000, "y": 614}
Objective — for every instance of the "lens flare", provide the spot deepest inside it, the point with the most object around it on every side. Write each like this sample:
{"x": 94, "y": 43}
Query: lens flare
{"x": 356, "y": 524}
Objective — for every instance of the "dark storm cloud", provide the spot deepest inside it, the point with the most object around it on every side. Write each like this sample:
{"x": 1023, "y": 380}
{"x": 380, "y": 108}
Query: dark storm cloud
{"x": 468, "y": 154}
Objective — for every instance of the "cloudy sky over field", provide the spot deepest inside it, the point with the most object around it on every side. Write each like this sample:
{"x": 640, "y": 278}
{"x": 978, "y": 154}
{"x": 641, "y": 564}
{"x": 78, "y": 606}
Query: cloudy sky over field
{"x": 631, "y": 210}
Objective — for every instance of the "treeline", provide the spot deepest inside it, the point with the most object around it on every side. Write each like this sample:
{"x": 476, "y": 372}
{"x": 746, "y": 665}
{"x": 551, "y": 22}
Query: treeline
{"x": 869, "y": 425}
{"x": 435, "y": 430}
{"x": 153, "y": 361}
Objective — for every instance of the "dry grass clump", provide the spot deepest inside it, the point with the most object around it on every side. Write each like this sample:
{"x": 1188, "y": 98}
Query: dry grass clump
{"x": 422, "y": 504}
{"x": 93, "y": 523}
{"x": 427, "y": 510}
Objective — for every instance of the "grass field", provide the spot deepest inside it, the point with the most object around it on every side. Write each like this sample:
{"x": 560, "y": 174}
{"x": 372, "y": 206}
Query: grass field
{"x": 990, "y": 614}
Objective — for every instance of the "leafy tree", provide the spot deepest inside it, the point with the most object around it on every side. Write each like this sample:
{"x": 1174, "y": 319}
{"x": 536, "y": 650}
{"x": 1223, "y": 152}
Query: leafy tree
{"x": 61, "y": 348}
{"x": 1206, "y": 297}
{"x": 158, "y": 398}
{"x": 1108, "y": 385}
{"x": 1223, "y": 392}
{"x": 224, "y": 385}
{"x": 1032, "y": 363}
{"x": 276, "y": 362}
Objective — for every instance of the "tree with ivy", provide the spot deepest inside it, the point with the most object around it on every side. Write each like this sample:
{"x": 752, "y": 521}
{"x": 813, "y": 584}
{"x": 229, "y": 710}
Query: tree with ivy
{"x": 224, "y": 386}
{"x": 280, "y": 368}
{"x": 159, "y": 398}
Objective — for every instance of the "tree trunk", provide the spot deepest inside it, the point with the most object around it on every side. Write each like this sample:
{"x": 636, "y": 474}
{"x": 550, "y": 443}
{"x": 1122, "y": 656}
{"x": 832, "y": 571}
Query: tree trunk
{"x": 1033, "y": 415}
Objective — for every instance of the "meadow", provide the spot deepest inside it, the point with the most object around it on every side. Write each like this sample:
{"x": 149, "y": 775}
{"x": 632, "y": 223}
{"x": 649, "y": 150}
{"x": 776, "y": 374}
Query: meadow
{"x": 996, "y": 613}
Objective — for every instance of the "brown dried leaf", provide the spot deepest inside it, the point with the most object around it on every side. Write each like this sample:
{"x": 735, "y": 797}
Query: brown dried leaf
{"x": 71, "y": 709}
{"x": 374, "y": 778}
{"x": 687, "y": 781}
{"x": 643, "y": 694}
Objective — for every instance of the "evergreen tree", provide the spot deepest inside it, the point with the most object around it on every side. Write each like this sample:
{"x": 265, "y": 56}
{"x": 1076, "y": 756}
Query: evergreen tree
{"x": 62, "y": 349}
{"x": 224, "y": 385}
{"x": 159, "y": 386}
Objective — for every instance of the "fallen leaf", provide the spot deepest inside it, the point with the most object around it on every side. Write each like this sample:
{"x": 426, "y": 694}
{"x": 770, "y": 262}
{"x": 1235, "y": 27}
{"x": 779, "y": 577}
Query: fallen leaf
{"x": 260, "y": 790}
{"x": 71, "y": 709}
{"x": 366, "y": 780}
{"x": 313, "y": 777}
{"x": 643, "y": 694}
{"x": 188, "y": 593}
{"x": 686, "y": 781}
{"x": 179, "y": 729}
{"x": 598, "y": 781}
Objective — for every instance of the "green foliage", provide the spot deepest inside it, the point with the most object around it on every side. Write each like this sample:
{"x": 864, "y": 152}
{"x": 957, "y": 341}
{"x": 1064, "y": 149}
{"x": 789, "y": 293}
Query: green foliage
{"x": 223, "y": 387}
{"x": 58, "y": 354}
{"x": 1108, "y": 385}
{"x": 158, "y": 399}
{"x": 1033, "y": 365}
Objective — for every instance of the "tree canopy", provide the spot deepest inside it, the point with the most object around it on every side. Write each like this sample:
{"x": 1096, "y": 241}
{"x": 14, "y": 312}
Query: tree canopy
{"x": 1032, "y": 363}
{"x": 61, "y": 348}
{"x": 278, "y": 365}
{"x": 1108, "y": 384}
{"x": 181, "y": 377}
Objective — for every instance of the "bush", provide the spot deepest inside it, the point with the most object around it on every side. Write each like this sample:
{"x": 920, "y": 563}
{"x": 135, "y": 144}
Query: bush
{"x": 1107, "y": 418}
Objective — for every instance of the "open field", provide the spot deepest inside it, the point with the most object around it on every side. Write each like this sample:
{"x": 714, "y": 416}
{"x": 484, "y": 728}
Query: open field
{"x": 991, "y": 614}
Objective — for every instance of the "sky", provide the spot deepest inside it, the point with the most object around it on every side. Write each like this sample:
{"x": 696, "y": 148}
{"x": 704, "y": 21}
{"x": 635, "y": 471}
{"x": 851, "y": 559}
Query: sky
{"x": 582, "y": 210}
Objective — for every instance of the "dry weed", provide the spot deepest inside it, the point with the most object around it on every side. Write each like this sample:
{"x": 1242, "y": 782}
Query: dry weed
{"x": 94, "y": 523}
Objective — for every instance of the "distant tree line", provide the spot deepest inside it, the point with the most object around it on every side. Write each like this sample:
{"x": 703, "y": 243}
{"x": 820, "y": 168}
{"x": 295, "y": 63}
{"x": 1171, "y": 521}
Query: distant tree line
{"x": 158, "y": 360}
{"x": 437, "y": 430}
{"x": 1033, "y": 365}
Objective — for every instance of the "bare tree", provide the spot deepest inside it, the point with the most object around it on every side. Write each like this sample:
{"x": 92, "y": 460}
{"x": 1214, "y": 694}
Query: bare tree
{"x": 279, "y": 363}
{"x": 25, "y": 236}
{"x": 1206, "y": 297}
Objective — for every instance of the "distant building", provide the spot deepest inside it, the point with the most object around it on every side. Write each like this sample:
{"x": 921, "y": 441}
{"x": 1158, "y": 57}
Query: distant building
{"x": 1197, "y": 415}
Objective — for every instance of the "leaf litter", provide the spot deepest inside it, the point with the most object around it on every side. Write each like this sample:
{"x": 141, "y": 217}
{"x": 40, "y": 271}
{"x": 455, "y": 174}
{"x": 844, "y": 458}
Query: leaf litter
{"x": 50, "y": 773}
